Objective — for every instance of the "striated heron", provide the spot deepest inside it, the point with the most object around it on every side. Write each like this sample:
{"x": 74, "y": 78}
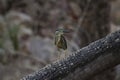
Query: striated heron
{"x": 60, "y": 40}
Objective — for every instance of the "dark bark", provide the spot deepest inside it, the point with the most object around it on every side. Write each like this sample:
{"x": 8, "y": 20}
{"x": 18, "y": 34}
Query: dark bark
{"x": 98, "y": 66}
{"x": 104, "y": 49}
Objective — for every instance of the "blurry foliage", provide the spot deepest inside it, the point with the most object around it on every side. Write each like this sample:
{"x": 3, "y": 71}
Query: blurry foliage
{"x": 9, "y": 34}
{"x": 13, "y": 26}
{"x": 13, "y": 34}
{"x": 1, "y": 42}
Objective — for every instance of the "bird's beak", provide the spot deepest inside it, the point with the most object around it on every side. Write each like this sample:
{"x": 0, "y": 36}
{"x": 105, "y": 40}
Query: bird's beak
{"x": 66, "y": 31}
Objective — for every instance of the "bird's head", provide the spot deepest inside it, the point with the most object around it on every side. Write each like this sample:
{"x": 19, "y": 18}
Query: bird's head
{"x": 61, "y": 31}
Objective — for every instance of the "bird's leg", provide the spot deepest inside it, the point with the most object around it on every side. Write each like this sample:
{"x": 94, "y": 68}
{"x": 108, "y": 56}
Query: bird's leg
{"x": 65, "y": 53}
{"x": 59, "y": 53}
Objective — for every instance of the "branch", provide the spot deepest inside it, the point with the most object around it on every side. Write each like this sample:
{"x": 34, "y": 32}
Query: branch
{"x": 105, "y": 46}
{"x": 99, "y": 66}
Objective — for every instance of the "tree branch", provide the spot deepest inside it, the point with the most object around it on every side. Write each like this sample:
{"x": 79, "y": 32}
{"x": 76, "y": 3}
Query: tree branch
{"x": 103, "y": 47}
{"x": 100, "y": 65}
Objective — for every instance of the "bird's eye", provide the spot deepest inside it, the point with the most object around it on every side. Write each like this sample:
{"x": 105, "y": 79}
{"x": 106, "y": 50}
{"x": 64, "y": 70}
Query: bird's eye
{"x": 56, "y": 32}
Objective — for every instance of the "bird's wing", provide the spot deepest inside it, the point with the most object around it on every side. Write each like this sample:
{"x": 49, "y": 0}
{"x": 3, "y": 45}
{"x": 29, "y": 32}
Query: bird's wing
{"x": 64, "y": 43}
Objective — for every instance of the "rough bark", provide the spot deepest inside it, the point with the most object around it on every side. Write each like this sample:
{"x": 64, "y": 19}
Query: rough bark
{"x": 107, "y": 48}
{"x": 97, "y": 67}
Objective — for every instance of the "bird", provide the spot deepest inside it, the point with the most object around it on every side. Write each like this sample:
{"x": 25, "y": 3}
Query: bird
{"x": 60, "y": 40}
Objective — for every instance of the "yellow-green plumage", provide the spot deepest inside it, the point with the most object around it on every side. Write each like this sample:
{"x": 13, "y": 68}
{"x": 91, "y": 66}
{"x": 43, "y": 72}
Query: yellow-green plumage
{"x": 60, "y": 42}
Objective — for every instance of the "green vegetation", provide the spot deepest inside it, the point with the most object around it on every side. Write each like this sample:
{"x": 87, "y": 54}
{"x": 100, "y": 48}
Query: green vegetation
{"x": 13, "y": 35}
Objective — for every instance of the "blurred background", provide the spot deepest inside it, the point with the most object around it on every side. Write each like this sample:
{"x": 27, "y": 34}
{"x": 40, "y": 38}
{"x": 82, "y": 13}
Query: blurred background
{"x": 27, "y": 30}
